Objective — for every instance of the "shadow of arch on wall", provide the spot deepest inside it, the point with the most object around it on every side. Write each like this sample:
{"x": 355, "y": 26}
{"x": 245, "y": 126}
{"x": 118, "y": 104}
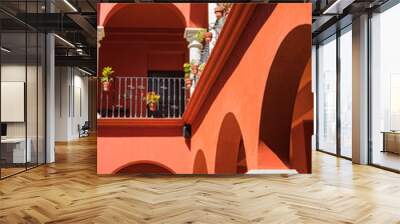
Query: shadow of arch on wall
{"x": 230, "y": 155}
{"x": 144, "y": 167}
{"x": 289, "y": 65}
{"x": 200, "y": 164}
{"x": 149, "y": 12}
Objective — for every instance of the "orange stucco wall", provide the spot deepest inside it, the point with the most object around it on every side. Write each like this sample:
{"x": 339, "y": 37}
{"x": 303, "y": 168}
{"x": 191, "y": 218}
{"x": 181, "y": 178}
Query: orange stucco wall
{"x": 250, "y": 75}
{"x": 261, "y": 101}
{"x": 137, "y": 58}
{"x": 119, "y": 147}
{"x": 146, "y": 37}
{"x": 194, "y": 14}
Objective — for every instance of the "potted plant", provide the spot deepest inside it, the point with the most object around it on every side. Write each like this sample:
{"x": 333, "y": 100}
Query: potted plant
{"x": 188, "y": 81}
{"x": 194, "y": 68}
{"x": 208, "y": 37}
{"x": 219, "y": 11}
{"x": 106, "y": 78}
{"x": 199, "y": 36}
{"x": 187, "y": 69}
{"x": 227, "y": 6}
{"x": 152, "y": 99}
{"x": 201, "y": 69}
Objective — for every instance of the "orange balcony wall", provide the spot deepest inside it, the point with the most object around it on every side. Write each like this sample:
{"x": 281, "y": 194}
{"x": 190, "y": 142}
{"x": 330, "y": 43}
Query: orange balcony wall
{"x": 147, "y": 37}
{"x": 252, "y": 109}
{"x": 257, "y": 88}
{"x": 144, "y": 145}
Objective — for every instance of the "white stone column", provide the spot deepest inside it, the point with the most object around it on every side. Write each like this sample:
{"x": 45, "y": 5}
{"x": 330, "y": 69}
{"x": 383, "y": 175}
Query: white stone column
{"x": 195, "y": 48}
{"x": 194, "y": 45}
{"x": 50, "y": 92}
{"x": 212, "y": 19}
{"x": 360, "y": 90}
{"x": 100, "y": 36}
{"x": 314, "y": 91}
{"x": 211, "y": 15}
{"x": 50, "y": 98}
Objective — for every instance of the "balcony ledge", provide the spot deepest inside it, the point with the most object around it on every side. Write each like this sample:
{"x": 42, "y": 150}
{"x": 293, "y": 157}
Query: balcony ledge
{"x": 235, "y": 24}
{"x": 141, "y": 122}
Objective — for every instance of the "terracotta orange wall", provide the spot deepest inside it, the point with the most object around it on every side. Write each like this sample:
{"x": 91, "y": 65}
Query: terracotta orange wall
{"x": 243, "y": 81}
{"x": 137, "y": 58}
{"x": 236, "y": 98}
{"x": 195, "y": 14}
{"x": 302, "y": 126}
{"x": 119, "y": 147}
{"x": 132, "y": 53}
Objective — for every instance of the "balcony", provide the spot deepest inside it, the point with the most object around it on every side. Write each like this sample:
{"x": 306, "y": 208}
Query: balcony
{"x": 128, "y": 98}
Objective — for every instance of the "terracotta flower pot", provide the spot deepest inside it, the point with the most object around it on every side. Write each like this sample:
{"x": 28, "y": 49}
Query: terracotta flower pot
{"x": 195, "y": 68}
{"x": 188, "y": 83}
{"x": 152, "y": 107}
{"x": 208, "y": 37}
{"x": 227, "y": 7}
{"x": 219, "y": 11}
{"x": 106, "y": 86}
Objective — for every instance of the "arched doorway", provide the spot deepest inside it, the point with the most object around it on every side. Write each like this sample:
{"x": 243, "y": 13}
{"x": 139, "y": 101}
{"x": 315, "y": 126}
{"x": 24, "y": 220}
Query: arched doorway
{"x": 200, "y": 164}
{"x": 145, "y": 46}
{"x": 143, "y": 38}
{"x": 230, "y": 154}
{"x": 144, "y": 15}
{"x": 144, "y": 167}
{"x": 288, "y": 67}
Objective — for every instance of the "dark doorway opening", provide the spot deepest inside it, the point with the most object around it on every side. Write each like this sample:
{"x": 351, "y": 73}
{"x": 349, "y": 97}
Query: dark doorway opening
{"x": 171, "y": 88}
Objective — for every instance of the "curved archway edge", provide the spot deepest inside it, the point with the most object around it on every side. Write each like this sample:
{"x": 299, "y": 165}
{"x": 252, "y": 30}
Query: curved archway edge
{"x": 156, "y": 165}
{"x": 115, "y": 8}
{"x": 200, "y": 163}
{"x": 281, "y": 90}
{"x": 230, "y": 141}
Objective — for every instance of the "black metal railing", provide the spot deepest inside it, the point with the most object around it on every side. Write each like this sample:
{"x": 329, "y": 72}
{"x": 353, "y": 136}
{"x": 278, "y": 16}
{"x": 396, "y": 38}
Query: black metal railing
{"x": 127, "y": 98}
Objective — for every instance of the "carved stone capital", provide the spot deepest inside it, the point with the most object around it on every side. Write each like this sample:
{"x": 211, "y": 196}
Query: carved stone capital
{"x": 100, "y": 35}
{"x": 189, "y": 35}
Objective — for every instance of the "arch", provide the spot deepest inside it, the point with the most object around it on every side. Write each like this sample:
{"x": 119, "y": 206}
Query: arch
{"x": 230, "y": 154}
{"x": 144, "y": 167}
{"x": 145, "y": 15}
{"x": 281, "y": 88}
{"x": 200, "y": 164}
{"x": 151, "y": 35}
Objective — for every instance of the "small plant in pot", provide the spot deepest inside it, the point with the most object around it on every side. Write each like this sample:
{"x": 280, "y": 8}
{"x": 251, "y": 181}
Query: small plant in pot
{"x": 208, "y": 37}
{"x": 187, "y": 69}
{"x": 188, "y": 81}
{"x": 219, "y": 11}
{"x": 201, "y": 69}
{"x": 195, "y": 68}
{"x": 200, "y": 35}
{"x": 152, "y": 99}
{"x": 106, "y": 78}
{"x": 227, "y": 6}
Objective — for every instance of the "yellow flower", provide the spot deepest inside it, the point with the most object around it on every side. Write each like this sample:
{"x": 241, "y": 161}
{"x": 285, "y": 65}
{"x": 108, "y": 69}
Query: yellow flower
{"x": 152, "y": 97}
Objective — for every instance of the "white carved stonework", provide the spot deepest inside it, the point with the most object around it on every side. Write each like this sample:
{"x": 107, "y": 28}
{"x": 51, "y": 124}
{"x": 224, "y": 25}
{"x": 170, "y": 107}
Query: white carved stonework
{"x": 190, "y": 33}
{"x": 195, "y": 48}
{"x": 100, "y": 35}
{"x": 194, "y": 45}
